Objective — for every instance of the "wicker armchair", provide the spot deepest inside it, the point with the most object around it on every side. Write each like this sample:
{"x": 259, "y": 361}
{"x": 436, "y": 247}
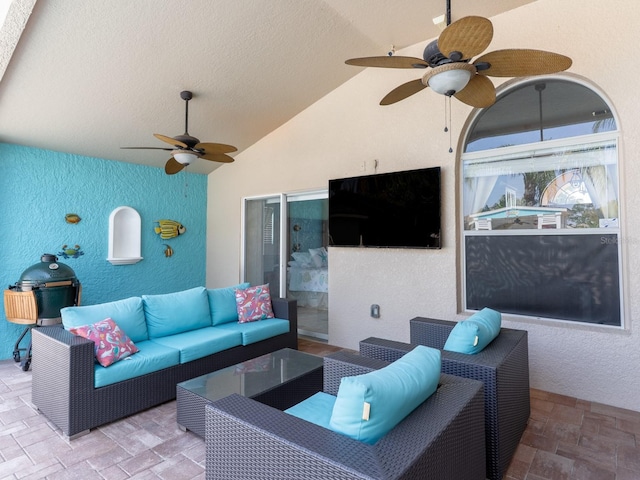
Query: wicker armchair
{"x": 442, "y": 438}
{"x": 503, "y": 367}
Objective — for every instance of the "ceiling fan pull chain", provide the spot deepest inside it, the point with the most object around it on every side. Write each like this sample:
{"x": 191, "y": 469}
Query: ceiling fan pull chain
{"x": 447, "y": 120}
{"x": 446, "y": 128}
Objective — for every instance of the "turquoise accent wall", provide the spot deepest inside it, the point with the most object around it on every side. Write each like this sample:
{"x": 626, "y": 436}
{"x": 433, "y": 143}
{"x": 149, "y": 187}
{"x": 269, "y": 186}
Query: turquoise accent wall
{"x": 39, "y": 187}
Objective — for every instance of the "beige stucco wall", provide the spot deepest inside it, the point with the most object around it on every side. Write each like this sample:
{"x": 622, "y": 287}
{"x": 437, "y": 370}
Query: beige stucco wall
{"x": 335, "y": 136}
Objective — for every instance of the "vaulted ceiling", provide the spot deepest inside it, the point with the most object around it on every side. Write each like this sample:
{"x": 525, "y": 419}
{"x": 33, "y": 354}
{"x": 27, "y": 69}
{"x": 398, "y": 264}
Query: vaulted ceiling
{"x": 89, "y": 77}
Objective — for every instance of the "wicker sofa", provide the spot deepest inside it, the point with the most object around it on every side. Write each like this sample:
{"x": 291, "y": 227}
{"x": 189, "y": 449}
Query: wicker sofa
{"x": 65, "y": 371}
{"x": 503, "y": 367}
{"x": 442, "y": 438}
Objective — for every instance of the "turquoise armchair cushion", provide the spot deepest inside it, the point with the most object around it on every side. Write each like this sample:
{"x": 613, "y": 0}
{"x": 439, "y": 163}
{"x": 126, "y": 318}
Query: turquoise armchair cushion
{"x": 177, "y": 312}
{"x": 368, "y": 406}
{"x": 475, "y": 333}
{"x": 315, "y": 409}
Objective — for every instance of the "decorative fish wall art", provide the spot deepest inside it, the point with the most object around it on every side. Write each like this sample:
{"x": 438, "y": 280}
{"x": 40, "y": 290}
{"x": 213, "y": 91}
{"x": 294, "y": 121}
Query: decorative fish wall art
{"x": 72, "y": 218}
{"x": 169, "y": 229}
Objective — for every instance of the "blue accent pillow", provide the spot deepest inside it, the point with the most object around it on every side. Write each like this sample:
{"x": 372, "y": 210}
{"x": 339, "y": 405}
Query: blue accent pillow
{"x": 177, "y": 312}
{"x": 368, "y": 406}
{"x": 222, "y": 302}
{"x": 128, "y": 315}
{"x": 475, "y": 333}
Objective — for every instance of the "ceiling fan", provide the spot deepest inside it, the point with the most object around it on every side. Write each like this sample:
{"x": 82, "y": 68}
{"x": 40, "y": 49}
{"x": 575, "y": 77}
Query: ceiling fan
{"x": 451, "y": 71}
{"x": 186, "y": 149}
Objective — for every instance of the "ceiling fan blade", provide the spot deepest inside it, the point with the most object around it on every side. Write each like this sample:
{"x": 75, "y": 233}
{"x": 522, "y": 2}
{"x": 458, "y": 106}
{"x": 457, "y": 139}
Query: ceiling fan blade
{"x": 522, "y": 62}
{"x": 479, "y": 92}
{"x": 172, "y": 166}
{"x": 470, "y": 36}
{"x": 208, "y": 148}
{"x": 217, "y": 157}
{"x": 170, "y": 141}
{"x": 403, "y": 91}
{"x": 147, "y": 148}
{"x": 388, "y": 62}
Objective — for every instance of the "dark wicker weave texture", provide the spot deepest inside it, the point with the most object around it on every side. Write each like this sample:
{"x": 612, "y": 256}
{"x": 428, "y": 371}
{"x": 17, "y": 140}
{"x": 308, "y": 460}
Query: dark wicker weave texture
{"x": 63, "y": 371}
{"x": 442, "y": 439}
{"x": 503, "y": 367}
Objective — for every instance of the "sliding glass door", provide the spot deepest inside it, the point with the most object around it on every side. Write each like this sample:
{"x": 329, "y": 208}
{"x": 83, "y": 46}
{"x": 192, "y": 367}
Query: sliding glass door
{"x": 262, "y": 249}
{"x": 285, "y": 240}
{"x": 307, "y": 263}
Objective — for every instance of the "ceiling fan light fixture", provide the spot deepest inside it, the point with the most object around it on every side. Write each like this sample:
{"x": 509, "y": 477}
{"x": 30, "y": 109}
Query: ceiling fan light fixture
{"x": 184, "y": 157}
{"x": 449, "y": 78}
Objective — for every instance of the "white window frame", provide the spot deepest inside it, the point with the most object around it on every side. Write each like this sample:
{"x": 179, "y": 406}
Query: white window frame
{"x": 517, "y": 151}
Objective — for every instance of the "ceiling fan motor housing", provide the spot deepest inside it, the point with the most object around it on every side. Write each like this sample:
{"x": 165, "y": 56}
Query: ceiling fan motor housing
{"x": 188, "y": 139}
{"x": 432, "y": 55}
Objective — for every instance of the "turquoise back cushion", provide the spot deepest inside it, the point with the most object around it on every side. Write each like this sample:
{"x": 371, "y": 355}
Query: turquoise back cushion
{"x": 128, "y": 314}
{"x": 370, "y": 405}
{"x": 222, "y": 303}
{"x": 475, "y": 333}
{"x": 177, "y": 312}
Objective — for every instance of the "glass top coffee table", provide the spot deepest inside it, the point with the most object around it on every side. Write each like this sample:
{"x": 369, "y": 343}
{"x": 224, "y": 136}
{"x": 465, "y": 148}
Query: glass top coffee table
{"x": 279, "y": 379}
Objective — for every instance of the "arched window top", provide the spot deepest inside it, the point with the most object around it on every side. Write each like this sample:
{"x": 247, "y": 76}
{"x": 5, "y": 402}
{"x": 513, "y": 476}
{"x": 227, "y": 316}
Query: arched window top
{"x": 538, "y": 110}
{"x": 540, "y": 204}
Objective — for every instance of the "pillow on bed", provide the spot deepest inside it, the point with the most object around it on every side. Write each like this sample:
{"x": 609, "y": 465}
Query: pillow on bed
{"x": 303, "y": 259}
{"x": 318, "y": 256}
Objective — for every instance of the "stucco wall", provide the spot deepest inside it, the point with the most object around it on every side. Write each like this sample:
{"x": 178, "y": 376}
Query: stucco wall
{"x": 335, "y": 136}
{"x": 37, "y": 189}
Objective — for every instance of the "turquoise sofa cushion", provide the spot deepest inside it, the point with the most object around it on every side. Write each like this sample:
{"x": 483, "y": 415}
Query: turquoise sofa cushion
{"x": 475, "y": 333}
{"x": 222, "y": 303}
{"x": 128, "y": 314}
{"x": 315, "y": 409}
{"x": 177, "y": 312}
{"x": 253, "y": 332}
{"x": 199, "y": 343}
{"x": 150, "y": 358}
{"x": 368, "y": 406}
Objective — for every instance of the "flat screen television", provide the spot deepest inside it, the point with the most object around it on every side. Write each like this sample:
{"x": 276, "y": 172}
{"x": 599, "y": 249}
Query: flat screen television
{"x": 397, "y": 210}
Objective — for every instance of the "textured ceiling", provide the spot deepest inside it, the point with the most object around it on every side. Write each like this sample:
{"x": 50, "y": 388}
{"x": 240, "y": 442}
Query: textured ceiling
{"x": 88, "y": 77}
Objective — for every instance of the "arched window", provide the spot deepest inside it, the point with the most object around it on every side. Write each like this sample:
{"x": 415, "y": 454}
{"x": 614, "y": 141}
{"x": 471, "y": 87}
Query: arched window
{"x": 540, "y": 204}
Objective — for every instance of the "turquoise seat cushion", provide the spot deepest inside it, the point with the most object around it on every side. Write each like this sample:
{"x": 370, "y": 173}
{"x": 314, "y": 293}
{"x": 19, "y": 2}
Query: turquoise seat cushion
{"x": 475, "y": 333}
{"x": 315, "y": 409}
{"x": 128, "y": 315}
{"x": 253, "y": 332}
{"x": 177, "y": 312}
{"x": 199, "y": 343}
{"x": 222, "y": 303}
{"x": 368, "y": 406}
{"x": 150, "y": 358}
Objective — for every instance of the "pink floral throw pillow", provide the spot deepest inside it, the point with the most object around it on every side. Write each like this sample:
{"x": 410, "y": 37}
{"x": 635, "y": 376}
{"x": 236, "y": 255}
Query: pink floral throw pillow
{"x": 253, "y": 303}
{"x": 111, "y": 343}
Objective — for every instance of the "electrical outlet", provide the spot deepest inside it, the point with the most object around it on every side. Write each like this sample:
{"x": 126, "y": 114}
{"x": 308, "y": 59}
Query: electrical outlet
{"x": 375, "y": 311}
{"x": 363, "y": 166}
